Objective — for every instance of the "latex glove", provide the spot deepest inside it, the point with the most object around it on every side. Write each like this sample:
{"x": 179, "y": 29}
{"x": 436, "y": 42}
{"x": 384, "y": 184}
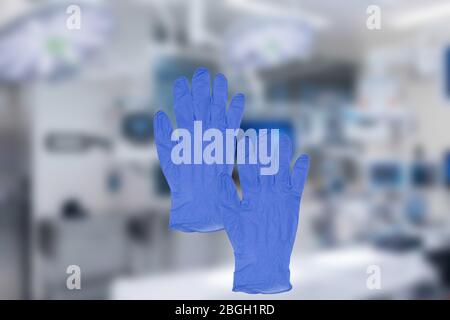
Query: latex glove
{"x": 262, "y": 227}
{"x": 194, "y": 187}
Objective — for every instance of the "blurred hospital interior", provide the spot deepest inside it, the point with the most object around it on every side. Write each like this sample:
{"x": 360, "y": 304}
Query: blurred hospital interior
{"x": 80, "y": 181}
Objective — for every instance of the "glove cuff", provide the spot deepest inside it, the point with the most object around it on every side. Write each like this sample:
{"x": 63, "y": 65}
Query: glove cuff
{"x": 265, "y": 275}
{"x": 187, "y": 216}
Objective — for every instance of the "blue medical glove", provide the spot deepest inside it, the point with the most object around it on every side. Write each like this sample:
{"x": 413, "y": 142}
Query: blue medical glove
{"x": 194, "y": 187}
{"x": 262, "y": 227}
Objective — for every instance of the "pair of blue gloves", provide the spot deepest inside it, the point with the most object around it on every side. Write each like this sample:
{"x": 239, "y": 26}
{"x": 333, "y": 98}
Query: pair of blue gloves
{"x": 262, "y": 226}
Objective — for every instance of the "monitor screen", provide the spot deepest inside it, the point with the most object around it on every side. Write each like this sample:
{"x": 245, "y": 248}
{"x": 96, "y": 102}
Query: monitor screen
{"x": 386, "y": 175}
{"x": 422, "y": 175}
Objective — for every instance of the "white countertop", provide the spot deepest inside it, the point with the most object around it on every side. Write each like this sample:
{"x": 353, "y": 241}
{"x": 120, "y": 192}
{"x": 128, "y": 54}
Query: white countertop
{"x": 331, "y": 274}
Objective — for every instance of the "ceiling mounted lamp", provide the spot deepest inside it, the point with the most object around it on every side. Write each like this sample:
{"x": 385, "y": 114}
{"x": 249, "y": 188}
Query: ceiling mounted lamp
{"x": 260, "y": 44}
{"x": 52, "y": 39}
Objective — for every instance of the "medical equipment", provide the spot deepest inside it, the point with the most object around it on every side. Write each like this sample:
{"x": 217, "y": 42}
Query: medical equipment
{"x": 447, "y": 170}
{"x": 137, "y": 127}
{"x": 447, "y": 73}
{"x": 75, "y": 142}
{"x": 386, "y": 175}
{"x": 423, "y": 174}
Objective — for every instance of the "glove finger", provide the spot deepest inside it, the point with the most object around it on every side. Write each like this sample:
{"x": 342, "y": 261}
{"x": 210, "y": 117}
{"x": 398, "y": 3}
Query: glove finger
{"x": 234, "y": 116}
{"x": 265, "y": 148}
{"x": 248, "y": 172}
{"x": 219, "y": 104}
{"x": 299, "y": 174}
{"x": 163, "y": 133}
{"x": 235, "y": 111}
{"x": 285, "y": 156}
{"x": 201, "y": 94}
{"x": 184, "y": 111}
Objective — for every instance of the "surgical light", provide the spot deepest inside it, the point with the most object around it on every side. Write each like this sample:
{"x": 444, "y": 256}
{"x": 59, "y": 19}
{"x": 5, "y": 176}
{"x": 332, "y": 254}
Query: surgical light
{"x": 38, "y": 44}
